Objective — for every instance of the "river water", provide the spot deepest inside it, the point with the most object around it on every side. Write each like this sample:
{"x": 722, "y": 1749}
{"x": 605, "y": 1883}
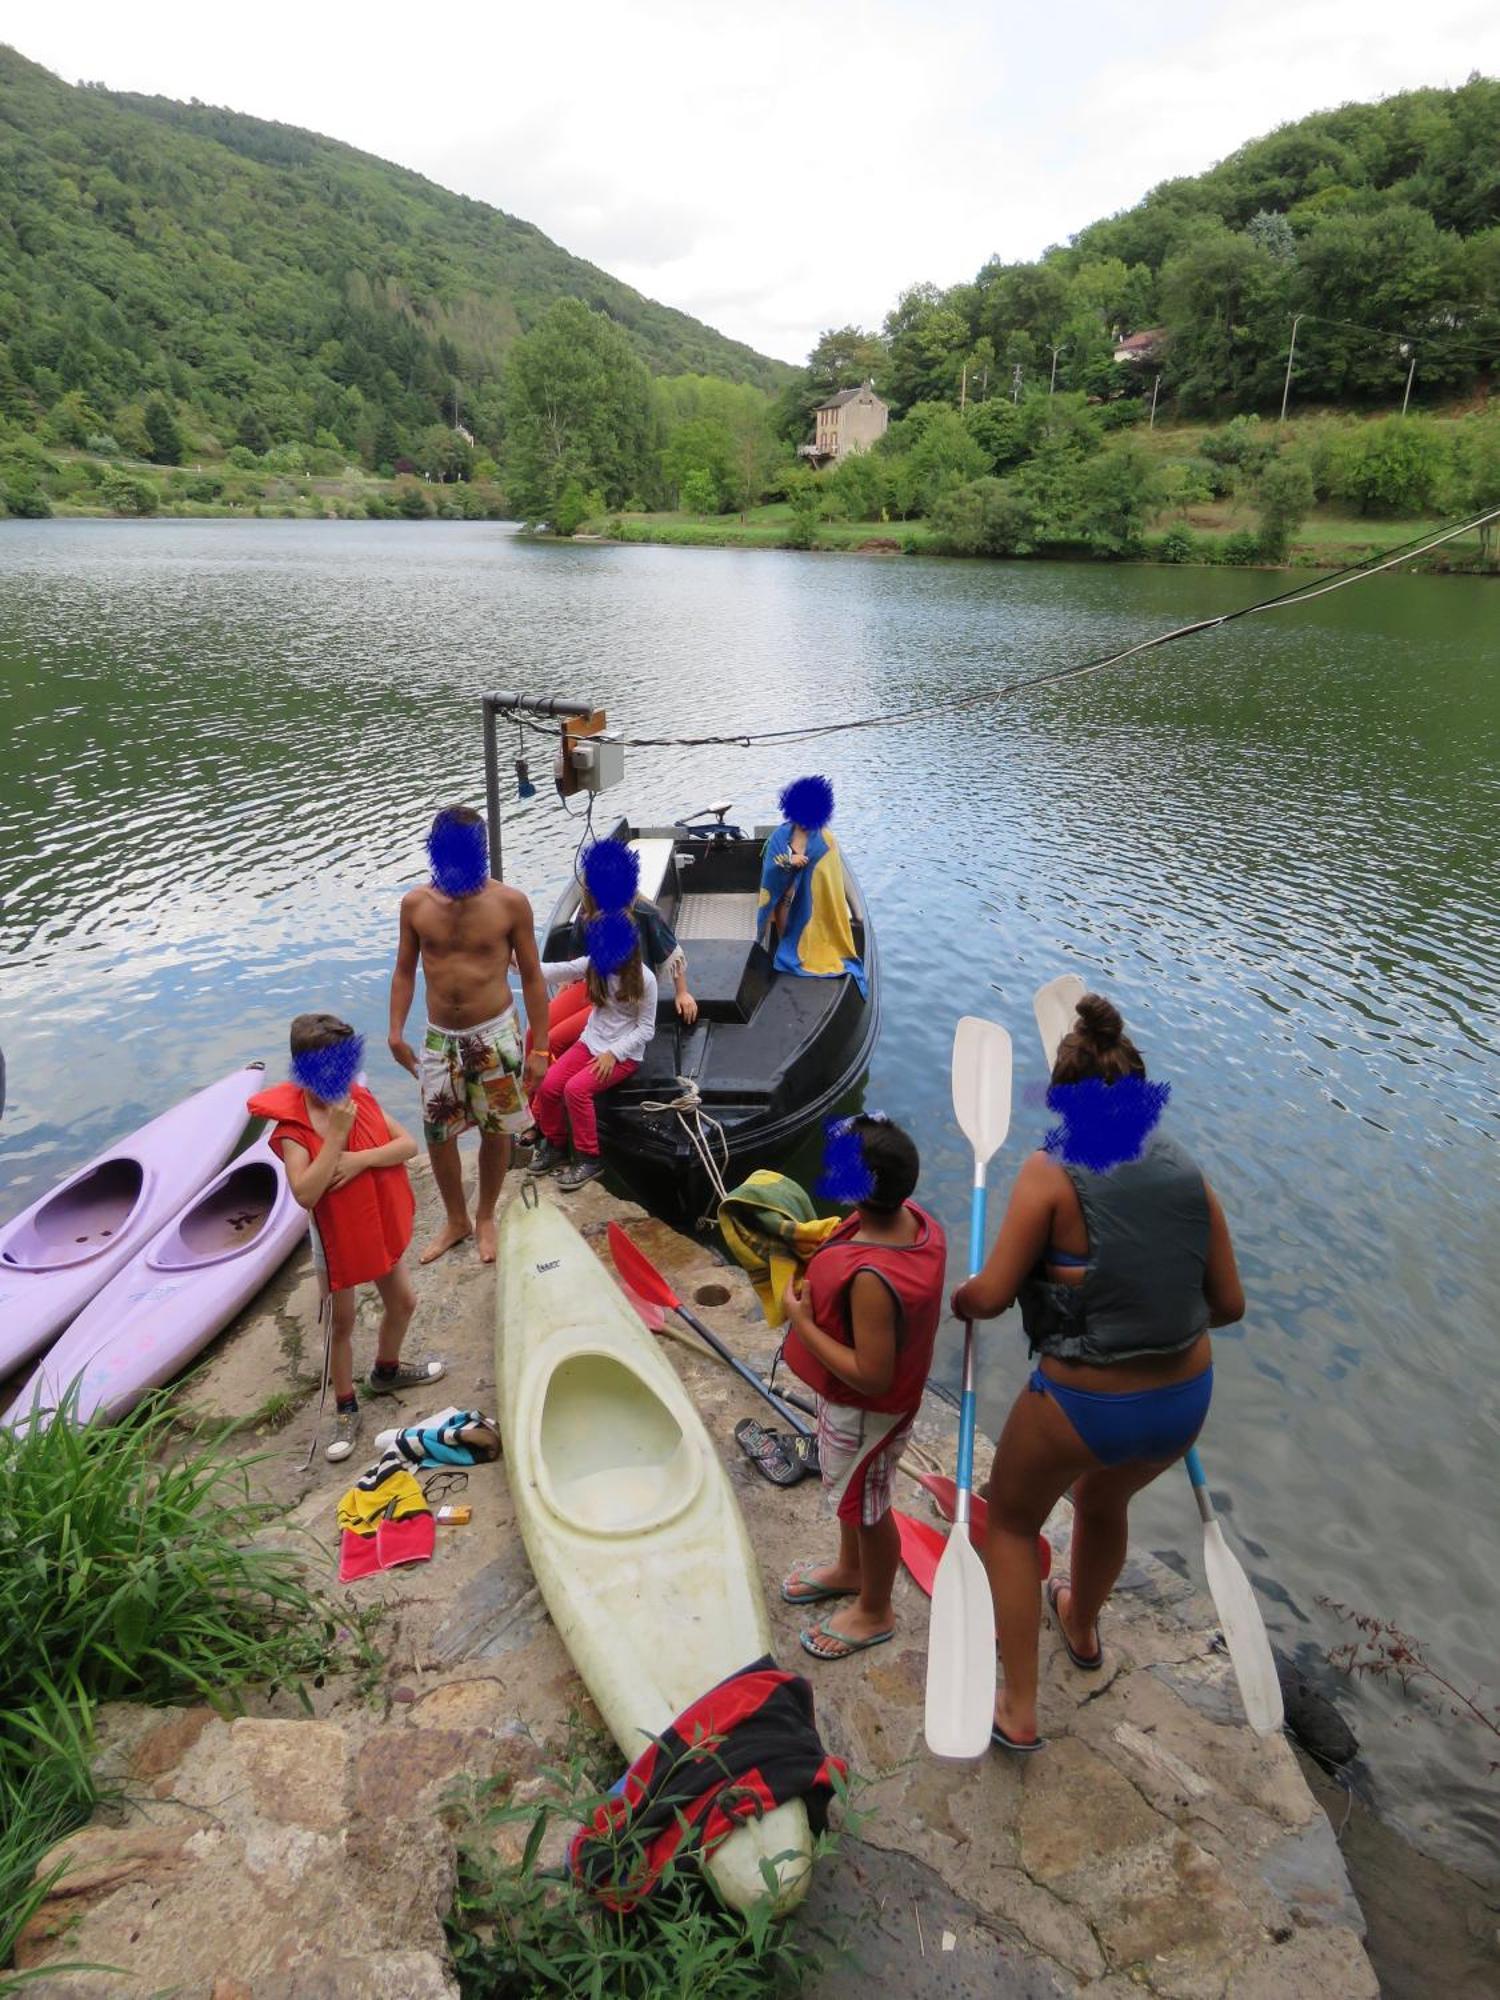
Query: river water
{"x": 1274, "y": 844}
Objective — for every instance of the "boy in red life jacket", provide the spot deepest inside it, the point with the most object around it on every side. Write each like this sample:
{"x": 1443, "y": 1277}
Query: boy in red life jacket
{"x": 345, "y": 1160}
{"x": 860, "y": 1332}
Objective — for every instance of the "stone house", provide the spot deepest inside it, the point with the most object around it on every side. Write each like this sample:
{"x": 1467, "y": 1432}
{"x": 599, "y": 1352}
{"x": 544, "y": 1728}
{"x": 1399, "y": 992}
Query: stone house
{"x": 851, "y": 421}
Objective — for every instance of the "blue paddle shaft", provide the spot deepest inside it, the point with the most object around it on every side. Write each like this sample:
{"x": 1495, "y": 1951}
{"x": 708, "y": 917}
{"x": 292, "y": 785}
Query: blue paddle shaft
{"x": 1199, "y": 1479}
{"x": 965, "y": 1470}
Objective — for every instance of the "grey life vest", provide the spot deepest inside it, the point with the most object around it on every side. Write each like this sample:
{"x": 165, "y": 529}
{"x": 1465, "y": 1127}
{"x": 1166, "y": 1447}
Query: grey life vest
{"x": 1142, "y": 1292}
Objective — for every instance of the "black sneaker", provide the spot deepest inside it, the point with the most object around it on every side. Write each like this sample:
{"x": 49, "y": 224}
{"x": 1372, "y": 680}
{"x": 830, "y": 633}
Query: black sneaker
{"x": 545, "y": 1156}
{"x": 589, "y": 1168}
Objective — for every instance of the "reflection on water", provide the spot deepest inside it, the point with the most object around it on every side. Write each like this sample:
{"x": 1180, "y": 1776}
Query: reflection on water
{"x": 1274, "y": 845}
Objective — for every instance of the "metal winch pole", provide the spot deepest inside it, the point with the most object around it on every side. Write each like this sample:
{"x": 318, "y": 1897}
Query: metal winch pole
{"x": 507, "y": 702}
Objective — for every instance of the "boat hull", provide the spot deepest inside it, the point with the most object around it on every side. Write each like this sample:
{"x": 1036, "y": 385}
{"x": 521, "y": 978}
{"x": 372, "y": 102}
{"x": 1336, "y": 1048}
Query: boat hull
{"x": 629, "y": 1520}
{"x": 170, "y": 1300}
{"x": 57, "y": 1254}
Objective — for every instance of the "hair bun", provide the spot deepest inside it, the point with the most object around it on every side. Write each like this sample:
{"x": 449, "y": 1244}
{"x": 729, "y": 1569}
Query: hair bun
{"x": 1100, "y": 1021}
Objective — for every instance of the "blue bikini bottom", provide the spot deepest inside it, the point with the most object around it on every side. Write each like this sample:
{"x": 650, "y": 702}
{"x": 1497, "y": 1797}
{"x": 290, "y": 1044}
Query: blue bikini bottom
{"x": 1142, "y": 1423}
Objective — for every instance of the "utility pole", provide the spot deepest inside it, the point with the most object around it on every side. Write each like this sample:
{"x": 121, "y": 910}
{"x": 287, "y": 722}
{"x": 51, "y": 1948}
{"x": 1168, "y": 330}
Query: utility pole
{"x": 1015, "y": 384}
{"x": 1154, "y": 388}
{"x": 1055, "y": 352}
{"x": 963, "y": 390}
{"x": 1405, "y": 349}
{"x": 1286, "y": 387}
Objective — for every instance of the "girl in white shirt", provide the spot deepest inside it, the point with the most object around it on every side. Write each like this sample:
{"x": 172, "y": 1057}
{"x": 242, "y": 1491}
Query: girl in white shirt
{"x": 614, "y": 1040}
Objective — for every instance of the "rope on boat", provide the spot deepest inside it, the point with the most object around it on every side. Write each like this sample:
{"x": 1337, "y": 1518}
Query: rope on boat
{"x": 1299, "y": 593}
{"x": 687, "y": 1108}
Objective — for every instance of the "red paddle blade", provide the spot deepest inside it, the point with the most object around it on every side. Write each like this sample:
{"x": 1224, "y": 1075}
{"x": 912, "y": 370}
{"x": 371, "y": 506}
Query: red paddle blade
{"x": 945, "y": 1494}
{"x": 651, "y": 1314}
{"x": 922, "y": 1546}
{"x": 637, "y": 1272}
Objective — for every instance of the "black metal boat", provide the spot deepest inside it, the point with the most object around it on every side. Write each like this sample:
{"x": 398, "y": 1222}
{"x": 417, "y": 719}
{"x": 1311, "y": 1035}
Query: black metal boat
{"x": 770, "y": 1055}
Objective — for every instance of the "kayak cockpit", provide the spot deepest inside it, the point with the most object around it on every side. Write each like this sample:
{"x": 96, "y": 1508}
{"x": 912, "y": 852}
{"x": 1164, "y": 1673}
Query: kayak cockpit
{"x": 221, "y": 1223}
{"x": 84, "y": 1217}
{"x": 611, "y": 1458}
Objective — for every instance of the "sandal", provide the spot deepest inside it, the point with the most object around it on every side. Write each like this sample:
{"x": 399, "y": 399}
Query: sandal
{"x": 767, "y": 1452}
{"x": 1003, "y": 1742}
{"x": 813, "y": 1593}
{"x": 1086, "y": 1663}
{"x": 846, "y": 1647}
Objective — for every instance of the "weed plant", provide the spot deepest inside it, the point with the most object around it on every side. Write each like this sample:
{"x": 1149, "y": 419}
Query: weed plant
{"x": 128, "y": 1570}
{"x": 519, "y": 1931}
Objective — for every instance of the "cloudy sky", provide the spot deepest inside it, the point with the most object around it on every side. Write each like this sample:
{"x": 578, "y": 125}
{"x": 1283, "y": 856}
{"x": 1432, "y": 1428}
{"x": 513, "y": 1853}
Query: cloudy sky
{"x": 785, "y": 166}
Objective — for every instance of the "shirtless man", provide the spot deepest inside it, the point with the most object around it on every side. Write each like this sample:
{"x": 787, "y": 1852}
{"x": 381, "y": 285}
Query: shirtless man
{"x": 467, "y": 929}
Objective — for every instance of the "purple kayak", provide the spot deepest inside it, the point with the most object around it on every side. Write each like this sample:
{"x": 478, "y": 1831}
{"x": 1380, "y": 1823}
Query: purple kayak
{"x": 175, "y": 1294}
{"x": 66, "y": 1247}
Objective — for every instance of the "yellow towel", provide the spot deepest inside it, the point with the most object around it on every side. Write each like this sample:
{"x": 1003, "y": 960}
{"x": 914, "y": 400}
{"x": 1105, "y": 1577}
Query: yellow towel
{"x": 772, "y": 1230}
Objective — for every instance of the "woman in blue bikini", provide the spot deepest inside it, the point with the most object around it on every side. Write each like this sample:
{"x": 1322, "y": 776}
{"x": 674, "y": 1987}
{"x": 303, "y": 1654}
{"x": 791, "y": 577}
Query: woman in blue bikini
{"x": 1119, "y": 1255}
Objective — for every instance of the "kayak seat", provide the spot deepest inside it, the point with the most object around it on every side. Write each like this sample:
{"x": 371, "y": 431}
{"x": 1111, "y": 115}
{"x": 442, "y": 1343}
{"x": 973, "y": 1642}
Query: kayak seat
{"x": 228, "y": 1218}
{"x": 79, "y": 1221}
{"x": 612, "y": 1458}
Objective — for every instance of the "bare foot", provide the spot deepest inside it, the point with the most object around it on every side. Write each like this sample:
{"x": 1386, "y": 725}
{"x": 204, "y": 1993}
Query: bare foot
{"x": 450, "y": 1234}
{"x": 484, "y": 1231}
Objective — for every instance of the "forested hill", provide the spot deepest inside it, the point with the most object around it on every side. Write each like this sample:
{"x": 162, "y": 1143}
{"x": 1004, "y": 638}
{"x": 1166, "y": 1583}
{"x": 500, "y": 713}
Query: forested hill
{"x": 273, "y": 283}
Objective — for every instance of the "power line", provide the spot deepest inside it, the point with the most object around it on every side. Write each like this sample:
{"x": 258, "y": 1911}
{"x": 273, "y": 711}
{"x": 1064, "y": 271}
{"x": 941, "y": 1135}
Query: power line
{"x": 1301, "y": 593}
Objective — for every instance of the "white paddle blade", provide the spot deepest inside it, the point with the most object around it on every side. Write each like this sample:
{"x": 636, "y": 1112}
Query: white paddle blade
{"x": 960, "y": 1655}
{"x": 1056, "y": 1007}
{"x": 981, "y": 1084}
{"x": 1244, "y": 1633}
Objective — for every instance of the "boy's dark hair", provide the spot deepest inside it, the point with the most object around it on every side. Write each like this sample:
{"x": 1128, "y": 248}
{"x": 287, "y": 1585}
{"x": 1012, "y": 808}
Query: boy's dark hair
{"x": 892, "y": 1158}
{"x": 318, "y": 1031}
{"x": 455, "y": 816}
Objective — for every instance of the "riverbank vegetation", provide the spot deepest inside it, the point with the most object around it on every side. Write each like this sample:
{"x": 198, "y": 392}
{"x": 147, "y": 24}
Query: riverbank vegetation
{"x": 128, "y": 1571}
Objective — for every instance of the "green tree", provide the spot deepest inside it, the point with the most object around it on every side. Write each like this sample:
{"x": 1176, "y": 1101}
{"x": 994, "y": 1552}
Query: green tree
{"x": 578, "y": 406}
{"x": 700, "y": 492}
{"x": 250, "y": 431}
{"x": 385, "y": 448}
{"x": 1283, "y": 498}
{"x": 442, "y": 454}
{"x": 804, "y": 496}
{"x": 936, "y": 450}
{"x": 124, "y": 493}
{"x": 1393, "y": 467}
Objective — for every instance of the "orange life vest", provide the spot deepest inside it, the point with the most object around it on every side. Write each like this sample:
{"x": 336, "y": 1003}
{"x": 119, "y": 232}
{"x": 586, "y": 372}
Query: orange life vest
{"x": 365, "y": 1226}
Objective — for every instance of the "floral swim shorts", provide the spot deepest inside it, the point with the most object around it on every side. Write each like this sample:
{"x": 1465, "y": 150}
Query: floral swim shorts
{"x": 472, "y": 1076}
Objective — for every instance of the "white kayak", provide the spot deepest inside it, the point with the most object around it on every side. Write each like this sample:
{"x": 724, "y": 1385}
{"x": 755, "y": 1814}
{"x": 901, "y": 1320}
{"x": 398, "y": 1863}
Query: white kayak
{"x": 58, "y": 1253}
{"x": 633, "y": 1531}
{"x": 174, "y": 1295}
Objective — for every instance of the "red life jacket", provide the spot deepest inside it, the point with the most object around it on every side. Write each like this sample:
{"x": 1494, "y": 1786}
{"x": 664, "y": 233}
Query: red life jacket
{"x": 914, "y": 1273}
{"x": 364, "y": 1227}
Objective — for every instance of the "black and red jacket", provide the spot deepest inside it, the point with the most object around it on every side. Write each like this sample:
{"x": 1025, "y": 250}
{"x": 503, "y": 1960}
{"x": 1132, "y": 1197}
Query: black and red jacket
{"x": 744, "y": 1748}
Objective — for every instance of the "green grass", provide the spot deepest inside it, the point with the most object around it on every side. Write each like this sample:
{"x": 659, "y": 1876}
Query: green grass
{"x": 127, "y": 1571}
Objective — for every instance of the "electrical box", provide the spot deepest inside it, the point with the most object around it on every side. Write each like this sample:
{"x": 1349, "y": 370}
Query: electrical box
{"x": 598, "y": 763}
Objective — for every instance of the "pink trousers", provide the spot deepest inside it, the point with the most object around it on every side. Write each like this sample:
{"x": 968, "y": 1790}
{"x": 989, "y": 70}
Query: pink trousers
{"x": 565, "y": 1097}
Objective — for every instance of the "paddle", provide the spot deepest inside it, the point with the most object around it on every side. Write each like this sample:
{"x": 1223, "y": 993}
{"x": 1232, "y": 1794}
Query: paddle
{"x": 945, "y": 1495}
{"x": 961, "y": 1633}
{"x": 644, "y": 1283}
{"x": 1234, "y": 1600}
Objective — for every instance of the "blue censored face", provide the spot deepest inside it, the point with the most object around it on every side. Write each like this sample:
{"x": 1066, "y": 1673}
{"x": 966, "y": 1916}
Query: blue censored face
{"x": 808, "y": 802}
{"x": 613, "y": 874}
{"x": 1104, "y": 1125}
{"x": 611, "y": 940}
{"x": 329, "y": 1073}
{"x": 845, "y": 1178}
{"x": 460, "y": 857}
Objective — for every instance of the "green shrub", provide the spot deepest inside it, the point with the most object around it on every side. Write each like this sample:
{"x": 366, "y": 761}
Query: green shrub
{"x": 241, "y": 457}
{"x": 411, "y": 502}
{"x": 203, "y": 487}
{"x": 1239, "y": 548}
{"x": 379, "y": 508}
{"x": 1393, "y": 467}
{"x": 102, "y": 444}
{"x": 1177, "y": 545}
{"x": 26, "y": 502}
{"x": 126, "y": 494}
{"x": 1243, "y": 442}
{"x": 1283, "y": 497}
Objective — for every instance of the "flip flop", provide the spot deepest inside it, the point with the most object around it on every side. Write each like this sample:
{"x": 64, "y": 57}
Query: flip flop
{"x": 1086, "y": 1663}
{"x": 815, "y": 1593}
{"x": 846, "y": 1646}
{"x": 805, "y": 1451}
{"x": 767, "y": 1452}
{"x": 1003, "y": 1742}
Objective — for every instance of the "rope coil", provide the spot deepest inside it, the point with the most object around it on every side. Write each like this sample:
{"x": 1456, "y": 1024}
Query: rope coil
{"x": 687, "y": 1108}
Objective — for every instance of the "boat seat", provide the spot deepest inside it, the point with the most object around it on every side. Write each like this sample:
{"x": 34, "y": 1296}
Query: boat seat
{"x": 728, "y": 977}
{"x": 655, "y": 857}
{"x": 80, "y": 1220}
{"x": 613, "y": 1459}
